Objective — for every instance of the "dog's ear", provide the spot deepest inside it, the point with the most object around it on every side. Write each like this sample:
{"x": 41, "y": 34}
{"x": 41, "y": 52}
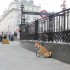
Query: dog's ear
{"x": 36, "y": 44}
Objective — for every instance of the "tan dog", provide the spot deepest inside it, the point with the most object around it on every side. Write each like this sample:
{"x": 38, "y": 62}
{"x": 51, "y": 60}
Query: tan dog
{"x": 5, "y": 41}
{"x": 41, "y": 50}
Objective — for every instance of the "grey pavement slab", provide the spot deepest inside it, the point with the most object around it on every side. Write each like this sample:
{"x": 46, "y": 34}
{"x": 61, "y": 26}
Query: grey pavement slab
{"x": 14, "y": 57}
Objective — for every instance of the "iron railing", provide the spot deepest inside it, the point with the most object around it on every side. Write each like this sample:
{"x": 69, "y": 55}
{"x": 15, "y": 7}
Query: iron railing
{"x": 56, "y": 27}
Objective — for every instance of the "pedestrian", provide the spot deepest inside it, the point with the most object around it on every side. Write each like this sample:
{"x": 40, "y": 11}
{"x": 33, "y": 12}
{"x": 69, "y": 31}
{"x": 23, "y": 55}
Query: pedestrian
{"x": 0, "y": 37}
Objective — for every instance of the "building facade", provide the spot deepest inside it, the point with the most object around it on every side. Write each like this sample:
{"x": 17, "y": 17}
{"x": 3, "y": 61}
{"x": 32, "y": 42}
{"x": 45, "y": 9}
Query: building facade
{"x": 11, "y": 18}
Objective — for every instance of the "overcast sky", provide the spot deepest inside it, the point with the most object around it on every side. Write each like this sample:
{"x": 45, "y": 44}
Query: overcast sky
{"x": 49, "y": 5}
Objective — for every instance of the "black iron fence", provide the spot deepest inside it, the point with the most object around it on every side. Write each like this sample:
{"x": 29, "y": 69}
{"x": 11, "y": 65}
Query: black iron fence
{"x": 56, "y": 27}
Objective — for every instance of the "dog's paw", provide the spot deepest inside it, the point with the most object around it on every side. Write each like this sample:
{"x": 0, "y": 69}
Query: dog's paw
{"x": 37, "y": 55}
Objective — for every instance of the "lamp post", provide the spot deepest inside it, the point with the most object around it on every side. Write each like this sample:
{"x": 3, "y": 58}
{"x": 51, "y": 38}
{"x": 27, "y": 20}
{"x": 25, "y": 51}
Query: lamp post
{"x": 22, "y": 21}
{"x": 22, "y": 14}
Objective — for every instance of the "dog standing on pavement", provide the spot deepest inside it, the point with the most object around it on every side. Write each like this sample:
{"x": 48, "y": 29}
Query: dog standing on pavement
{"x": 42, "y": 51}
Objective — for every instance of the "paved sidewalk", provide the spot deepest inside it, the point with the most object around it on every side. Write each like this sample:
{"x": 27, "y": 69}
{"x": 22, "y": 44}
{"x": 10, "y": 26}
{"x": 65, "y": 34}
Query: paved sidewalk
{"x": 14, "y": 57}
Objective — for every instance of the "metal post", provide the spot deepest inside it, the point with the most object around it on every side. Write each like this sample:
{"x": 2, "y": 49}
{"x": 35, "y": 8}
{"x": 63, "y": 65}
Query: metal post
{"x": 59, "y": 23}
{"x": 22, "y": 21}
{"x": 64, "y": 21}
{"x": 36, "y": 29}
{"x": 22, "y": 6}
{"x": 67, "y": 19}
{"x": 44, "y": 25}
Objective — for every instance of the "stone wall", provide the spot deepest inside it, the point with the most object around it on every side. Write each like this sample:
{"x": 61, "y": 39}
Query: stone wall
{"x": 60, "y": 51}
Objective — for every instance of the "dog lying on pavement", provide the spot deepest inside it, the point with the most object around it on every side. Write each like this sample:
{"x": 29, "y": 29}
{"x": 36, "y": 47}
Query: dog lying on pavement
{"x": 42, "y": 51}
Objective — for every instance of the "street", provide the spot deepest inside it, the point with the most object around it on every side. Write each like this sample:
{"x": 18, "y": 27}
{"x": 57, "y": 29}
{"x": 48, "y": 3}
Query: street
{"x": 14, "y": 57}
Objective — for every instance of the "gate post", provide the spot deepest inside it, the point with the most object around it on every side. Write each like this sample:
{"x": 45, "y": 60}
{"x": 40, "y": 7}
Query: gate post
{"x": 36, "y": 30}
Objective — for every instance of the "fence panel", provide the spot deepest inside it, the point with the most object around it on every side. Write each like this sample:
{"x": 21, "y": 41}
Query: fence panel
{"x": 54, "y": 28}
